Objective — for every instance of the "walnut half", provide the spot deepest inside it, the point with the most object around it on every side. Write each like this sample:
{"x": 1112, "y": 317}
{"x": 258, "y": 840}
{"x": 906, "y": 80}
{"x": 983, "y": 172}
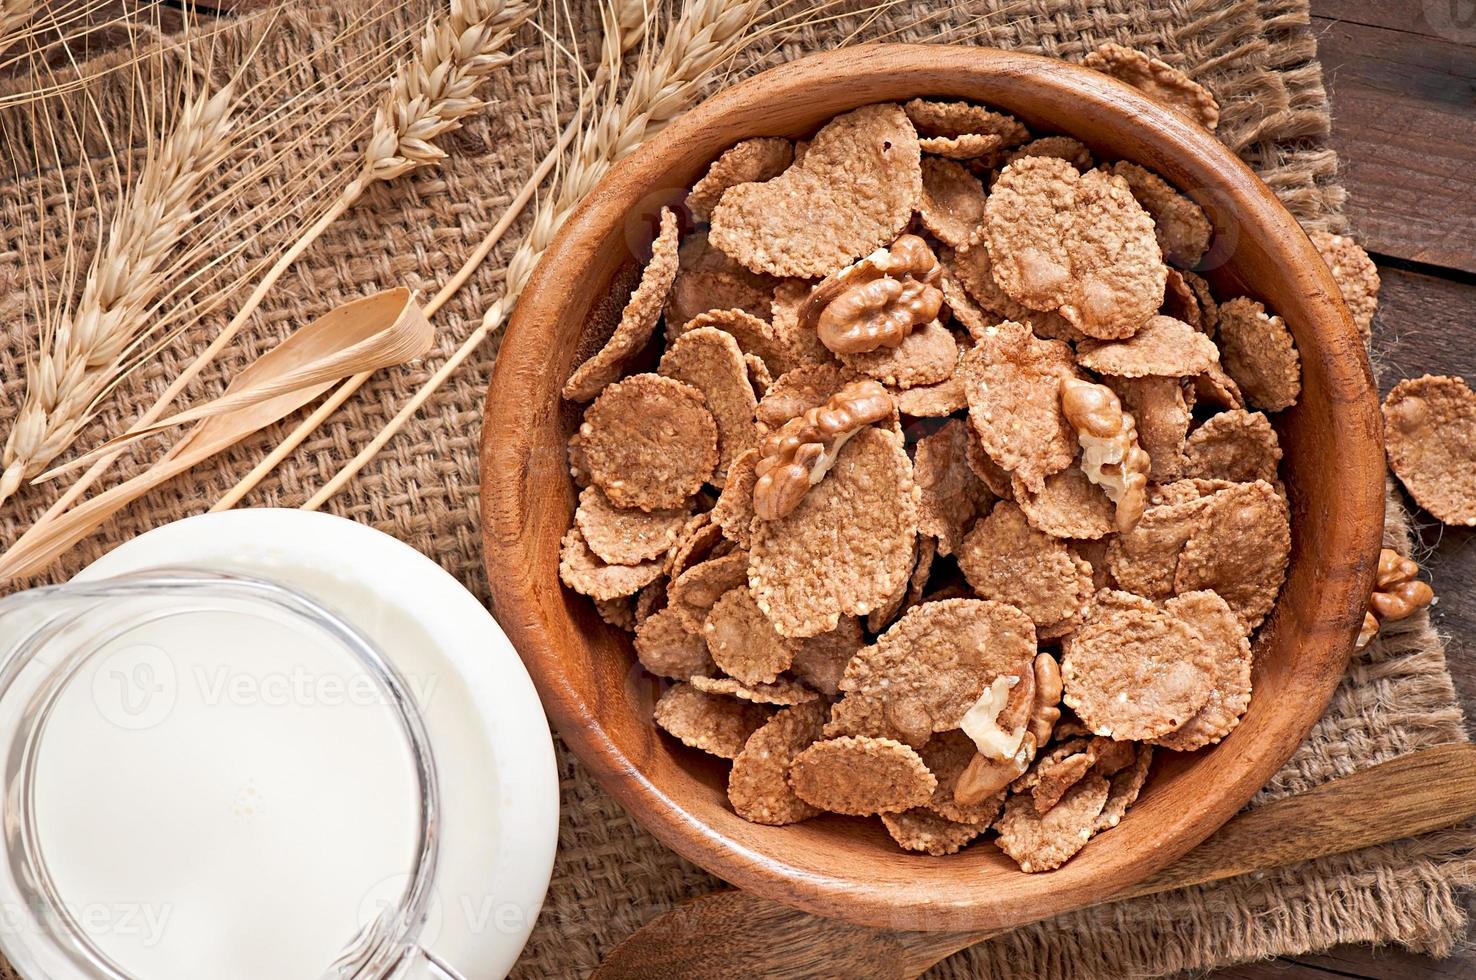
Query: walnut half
{"x": 1110, "y": 455}
{"x": 799, "y": 454}
{"x": 1398, "y": 593}
{"x": 878, "y": 301}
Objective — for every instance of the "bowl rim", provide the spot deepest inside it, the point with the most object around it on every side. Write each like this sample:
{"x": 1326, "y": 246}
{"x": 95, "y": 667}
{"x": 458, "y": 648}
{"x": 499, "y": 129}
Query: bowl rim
{"x": 1343, "y": 587}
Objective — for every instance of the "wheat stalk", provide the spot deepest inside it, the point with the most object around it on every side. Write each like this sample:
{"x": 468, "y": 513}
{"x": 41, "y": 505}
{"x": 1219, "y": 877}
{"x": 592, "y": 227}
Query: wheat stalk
{"x": 625, "y": 28}
{"x": 707, "y": 34}
{"x": 14, "y": 15}
{"x": 89, "y": 342}
{"x": 427, "y": 96}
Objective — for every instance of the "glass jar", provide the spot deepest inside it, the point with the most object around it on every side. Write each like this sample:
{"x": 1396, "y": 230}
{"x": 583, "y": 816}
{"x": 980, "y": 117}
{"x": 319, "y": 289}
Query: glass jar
{"x": 169, "y": 813}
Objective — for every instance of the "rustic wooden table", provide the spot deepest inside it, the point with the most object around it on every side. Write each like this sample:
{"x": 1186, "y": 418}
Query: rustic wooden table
{"x": 1401, "y": 75}
{"x": 1402, "y": 78}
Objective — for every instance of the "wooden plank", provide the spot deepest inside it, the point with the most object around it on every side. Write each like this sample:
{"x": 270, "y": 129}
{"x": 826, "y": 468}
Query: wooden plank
{"x": 1404, "y": 116}
{"x": 1442, "y": 19}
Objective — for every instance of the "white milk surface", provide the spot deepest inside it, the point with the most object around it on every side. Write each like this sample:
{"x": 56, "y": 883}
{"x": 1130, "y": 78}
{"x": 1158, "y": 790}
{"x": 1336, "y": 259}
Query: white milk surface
{"x": 222, "y": 796}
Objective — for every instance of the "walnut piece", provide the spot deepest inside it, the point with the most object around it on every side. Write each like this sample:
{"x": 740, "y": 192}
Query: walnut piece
{"x": 983, "y": 777}
{"x": 1397, "y": 594}
{"x": 1110, "y": 455}
{"x": 1398, "y": 591}
{"x": 1047, "y": 705}
{"x": 878, "y": 301}
{"x": 799, "y": 454}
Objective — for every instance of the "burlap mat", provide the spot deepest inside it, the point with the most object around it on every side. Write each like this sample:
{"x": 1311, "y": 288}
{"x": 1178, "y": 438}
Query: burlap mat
{"x": 611, "y": 876}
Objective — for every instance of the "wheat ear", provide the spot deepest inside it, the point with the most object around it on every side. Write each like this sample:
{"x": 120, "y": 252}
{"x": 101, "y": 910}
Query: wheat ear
{"x": 89, "y": 342}
{"x": 428, "y": 96}
{"x": 624, "y": 30}
{"x": 707, "y": 34}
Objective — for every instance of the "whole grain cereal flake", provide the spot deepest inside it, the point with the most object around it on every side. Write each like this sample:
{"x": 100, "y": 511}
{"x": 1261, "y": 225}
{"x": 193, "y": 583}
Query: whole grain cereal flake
{"x": 649, "y": 442}
{"x": 974, "y": 269}
{"x": 582, "y": 570}
{"x": 938, "y": 118}
{"x": 694, "y": 545}
{"x": 1146, "y": 559}
{"x": 1225, "y": 634}
{"x": 665, "y": 647}
{"x": 715, "y": 724}
{"x": 959, "y": 306}
{"x": 859, "y": 776}
{"x": 758, "y": 786}
{"x": 733, "y": 511}
{"x": 965, "y": 146}
{"x": 783, "y": 691}
{"x": 1182, "y": 227}
{"x": 1239, "y": 549}
{"x": 1236, "y": 446}
{"x": 990, "y": 473}
{"x": 742, "y": 641}
{"x": 759, "y": 378}
{"x": 1067, "y": 148}
{"x": 1007, "y": 560}
{"x": 1125, "y": 787}
{"x": 651, "y": 600}
{"x": 799, "y": 343}
{"x": 924, "y": 673}
{"x": 636, "y": 322}
{"x": 710, "y": 361}
{"x": 1057, "y": 778}
{"x": 1043, "y": 842}
{"x": 695, "y": 591}
{"x": 846, "y": 547}
{"x": 920, "y": 829}
{"x": 1136, "y": 673}
{"x": 952, "y": 203}
{"x": 1163, "y": 346}
{"x": 1069, "y": 506}
{"x": 622, "y": 536}
{"x": 708, "y": 279}
{"x": 1430, "y": 436}
{"x": 1257, "y": 351}
{"x": 1181, "y": 302}
{"x": 1161, "y": 409}
{"x": 1189, "y": 488}
{"x": 931, "y": 401}
{"x": 820, "y": 661}
{"x": 1355, "y": 273}
{"x": 952, "y": 495}
{"x": 619, "y": 613}
{"x": 854, "y": 191}
{"x": 926, "y": 549}
{"x": 744, "y": 162}
{"x": 1158, "y": 81}
{"x": 1012, "y": 382}
{"x": 1079, "y": 244}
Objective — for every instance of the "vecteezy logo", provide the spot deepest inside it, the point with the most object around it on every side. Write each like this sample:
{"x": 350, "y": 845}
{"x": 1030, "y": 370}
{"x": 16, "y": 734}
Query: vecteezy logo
{"x": 387, "y": 894}
{"x": 1454, "y": 20}
{"x": 135, "y": 687}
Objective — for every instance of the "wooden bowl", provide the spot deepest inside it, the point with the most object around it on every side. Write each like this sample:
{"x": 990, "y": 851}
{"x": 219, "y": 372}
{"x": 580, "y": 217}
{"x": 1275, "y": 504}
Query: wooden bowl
{"x": 844, "y": 867}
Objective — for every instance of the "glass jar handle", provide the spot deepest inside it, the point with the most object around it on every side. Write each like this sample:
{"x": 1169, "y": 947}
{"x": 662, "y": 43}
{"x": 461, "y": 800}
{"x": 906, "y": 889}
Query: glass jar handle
{"x": 421, "y": 964}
